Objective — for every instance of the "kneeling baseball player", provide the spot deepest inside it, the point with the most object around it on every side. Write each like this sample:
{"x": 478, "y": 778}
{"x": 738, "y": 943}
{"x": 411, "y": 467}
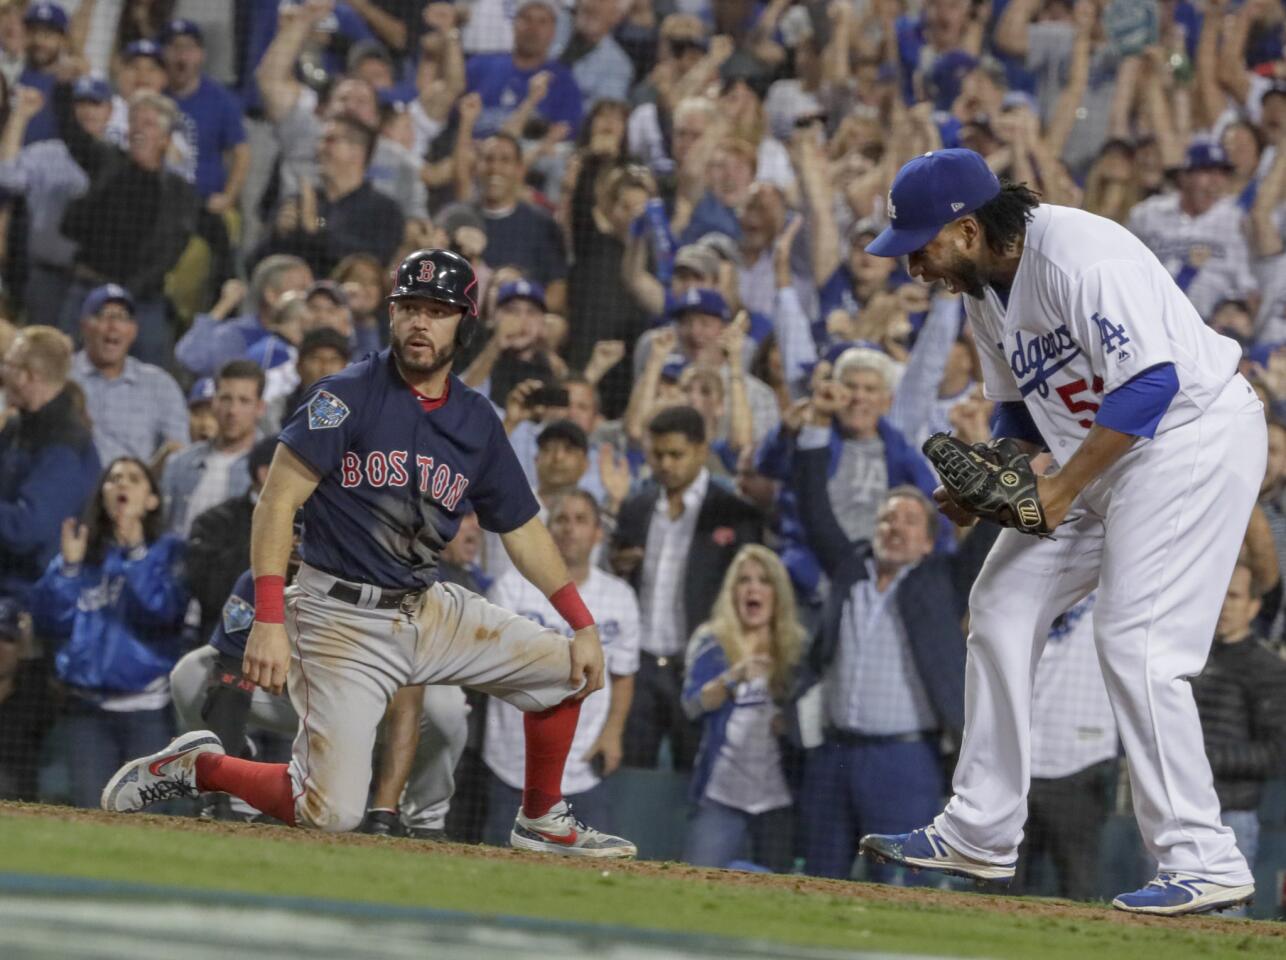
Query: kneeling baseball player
{"x": 385, "y": 457}
{"x": 421, "y": 738}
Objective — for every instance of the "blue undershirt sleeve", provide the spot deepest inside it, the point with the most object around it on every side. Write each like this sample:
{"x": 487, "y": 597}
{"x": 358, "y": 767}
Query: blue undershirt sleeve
{"x": 1137, "y": 406}
{"x": 1011, "y": 418}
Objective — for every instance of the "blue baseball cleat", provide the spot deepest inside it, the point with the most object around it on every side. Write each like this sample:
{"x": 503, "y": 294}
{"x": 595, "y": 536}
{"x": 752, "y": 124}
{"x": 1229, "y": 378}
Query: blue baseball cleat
{"x": 1172, "y": 894}
{"x": 924, "y": 849}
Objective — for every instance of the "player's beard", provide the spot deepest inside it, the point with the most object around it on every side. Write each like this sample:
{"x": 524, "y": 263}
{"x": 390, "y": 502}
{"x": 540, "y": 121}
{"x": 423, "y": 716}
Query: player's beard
{"x": 967, "y": 277}
{"x": 441, "y": 359}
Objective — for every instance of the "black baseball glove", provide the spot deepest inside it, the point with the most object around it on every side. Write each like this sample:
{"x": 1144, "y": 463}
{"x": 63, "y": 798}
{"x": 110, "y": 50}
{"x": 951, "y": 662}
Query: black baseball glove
{"x": 993, "y": 482}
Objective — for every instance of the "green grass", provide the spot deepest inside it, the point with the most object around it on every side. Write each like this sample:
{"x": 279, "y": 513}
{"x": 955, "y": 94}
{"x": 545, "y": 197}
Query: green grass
{"x": 254, "y": 861}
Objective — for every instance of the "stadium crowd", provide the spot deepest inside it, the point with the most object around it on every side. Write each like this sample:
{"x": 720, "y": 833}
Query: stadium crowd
{"x": 718, "y": 396}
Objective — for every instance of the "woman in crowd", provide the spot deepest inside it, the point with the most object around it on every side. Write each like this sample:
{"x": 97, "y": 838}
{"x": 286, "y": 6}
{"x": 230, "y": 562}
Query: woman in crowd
{"x": 739, "y": 668}
{"x": 114, "y": 598}
{"x": 365, "y": 283}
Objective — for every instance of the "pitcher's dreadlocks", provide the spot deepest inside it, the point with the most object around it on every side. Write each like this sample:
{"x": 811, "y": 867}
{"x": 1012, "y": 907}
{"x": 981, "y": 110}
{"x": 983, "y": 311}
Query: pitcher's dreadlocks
{"x": 1004, "y": 218}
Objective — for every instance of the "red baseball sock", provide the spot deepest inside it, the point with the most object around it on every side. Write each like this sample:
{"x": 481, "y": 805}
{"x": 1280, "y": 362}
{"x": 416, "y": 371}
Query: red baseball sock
{"x": 549, "y": 740}
{"x": 265, "y": 786}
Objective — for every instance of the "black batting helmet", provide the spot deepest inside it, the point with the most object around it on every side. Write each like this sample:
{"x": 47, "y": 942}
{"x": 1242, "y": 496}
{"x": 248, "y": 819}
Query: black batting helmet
{"x": 444, "y": 276}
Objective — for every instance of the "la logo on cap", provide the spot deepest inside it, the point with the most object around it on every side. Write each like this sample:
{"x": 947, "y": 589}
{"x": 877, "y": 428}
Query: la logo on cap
{"x": 893, "y": 211}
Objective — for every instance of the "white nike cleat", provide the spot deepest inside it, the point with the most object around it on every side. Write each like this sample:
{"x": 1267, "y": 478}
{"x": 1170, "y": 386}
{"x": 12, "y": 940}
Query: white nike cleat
{"x": 561, "y": 833}
{"x": 165, "y": 775}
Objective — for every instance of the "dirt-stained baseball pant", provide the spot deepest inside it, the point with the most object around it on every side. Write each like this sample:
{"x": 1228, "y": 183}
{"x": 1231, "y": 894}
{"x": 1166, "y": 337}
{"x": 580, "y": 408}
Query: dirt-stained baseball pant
{"x": 443, "y": 732}
{"x": 1159, "y": 535}
{"x": 348, "y": 659}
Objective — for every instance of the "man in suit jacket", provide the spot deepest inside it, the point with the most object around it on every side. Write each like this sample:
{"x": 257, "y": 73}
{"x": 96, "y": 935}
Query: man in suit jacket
{"x": 674, "y": 542}
{"x": 889, "y": 656}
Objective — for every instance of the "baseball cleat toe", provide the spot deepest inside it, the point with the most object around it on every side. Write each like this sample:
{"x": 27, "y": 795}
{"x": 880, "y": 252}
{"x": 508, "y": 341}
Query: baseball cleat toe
{"x": 1175, "y": 894}
{"x": 925, "y": 849}
{"x": 165, "y": 775}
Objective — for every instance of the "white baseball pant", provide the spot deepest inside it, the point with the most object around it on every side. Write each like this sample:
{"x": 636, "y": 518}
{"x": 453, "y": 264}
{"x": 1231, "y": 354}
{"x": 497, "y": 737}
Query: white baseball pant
{"x": 348, "y": 660}
{"x": 1158, "y": 534}
{"x": 443, "y": 731}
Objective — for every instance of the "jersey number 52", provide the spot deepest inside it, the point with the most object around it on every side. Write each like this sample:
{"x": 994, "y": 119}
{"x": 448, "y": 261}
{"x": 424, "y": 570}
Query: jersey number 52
{"x": 1069, "y": 392}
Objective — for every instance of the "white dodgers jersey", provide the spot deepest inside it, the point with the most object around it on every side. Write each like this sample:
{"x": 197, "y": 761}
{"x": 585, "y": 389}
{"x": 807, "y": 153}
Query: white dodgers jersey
{"x": 1090, "y": 308}
{"x": 1207, "y": 254}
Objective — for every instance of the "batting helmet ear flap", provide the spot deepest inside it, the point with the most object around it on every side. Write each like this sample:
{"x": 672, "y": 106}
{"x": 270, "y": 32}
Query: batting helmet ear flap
{"x": 467, "y": 329}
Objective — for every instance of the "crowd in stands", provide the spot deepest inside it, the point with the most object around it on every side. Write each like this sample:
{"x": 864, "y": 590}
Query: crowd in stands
{"x": 718, "y": 396}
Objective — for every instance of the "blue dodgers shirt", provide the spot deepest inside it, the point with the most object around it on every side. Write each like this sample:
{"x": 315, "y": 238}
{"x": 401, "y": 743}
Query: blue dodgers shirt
{"x": 233, "y": 629}
{"x": 396, "y": 479}
{"x": 503, "y": 86}
{"x": 213, "y": 124}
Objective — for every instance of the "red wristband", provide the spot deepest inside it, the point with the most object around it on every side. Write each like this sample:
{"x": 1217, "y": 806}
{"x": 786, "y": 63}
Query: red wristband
{"x": 270, "y": 602}
{"x": 566, "y": 600}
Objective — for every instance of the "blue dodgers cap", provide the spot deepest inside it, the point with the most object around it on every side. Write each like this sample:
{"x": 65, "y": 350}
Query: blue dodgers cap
{"x": 179, "y": 27}
{"x": 202, "y": 392}
{"x": 674, "y": 367}
{"x": 144, "y": 48}
{"x": 521, "y": 290}
{"x": 1017, "y": 99}
{"x": 946, "y": 77}
{"x": 1261, "y": 353}
{"x": 929, "y": 192}
{"x": 92, "y": 88}
{"x": 394, "y": 98}
{"x": 1205, "y": 155}
{"x": 100, "y": 297}
{"x": 699, "y": 300}
{"x": 46, "y": 15}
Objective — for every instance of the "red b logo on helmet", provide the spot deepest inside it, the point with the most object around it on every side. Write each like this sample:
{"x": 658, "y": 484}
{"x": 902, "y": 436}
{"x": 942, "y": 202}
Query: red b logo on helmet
{"x": 426, "y": 271}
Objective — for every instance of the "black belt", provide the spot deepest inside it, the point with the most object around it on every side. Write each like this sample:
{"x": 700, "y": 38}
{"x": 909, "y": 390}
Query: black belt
{"x": 674, "y": 660}
{"x": 852, "y": 739}
{"x": 388, "y": 599}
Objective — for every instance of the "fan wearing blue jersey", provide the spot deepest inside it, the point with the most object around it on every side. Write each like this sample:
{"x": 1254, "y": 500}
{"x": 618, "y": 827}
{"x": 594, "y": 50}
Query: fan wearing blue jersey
{"x": 385, "y": 458}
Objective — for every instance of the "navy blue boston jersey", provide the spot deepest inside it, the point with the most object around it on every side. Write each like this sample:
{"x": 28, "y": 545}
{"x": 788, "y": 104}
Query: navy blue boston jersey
{"x": 233, "y": 631}
{"x": 396, "y": 478}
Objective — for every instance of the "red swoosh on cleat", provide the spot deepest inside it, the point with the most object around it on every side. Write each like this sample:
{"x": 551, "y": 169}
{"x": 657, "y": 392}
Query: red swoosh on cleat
{"x": 567, "y": 839}
{"x": 155, "y": 766}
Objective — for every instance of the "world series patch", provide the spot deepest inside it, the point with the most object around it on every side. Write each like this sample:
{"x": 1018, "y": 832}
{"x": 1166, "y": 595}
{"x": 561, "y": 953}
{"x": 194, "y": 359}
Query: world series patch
{"x": 326, "y": 411}
{"x": 238, "y": 615}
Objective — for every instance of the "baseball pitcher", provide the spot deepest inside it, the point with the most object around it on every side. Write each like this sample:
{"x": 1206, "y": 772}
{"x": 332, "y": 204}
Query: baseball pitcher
{"x": 1091, "y": 351}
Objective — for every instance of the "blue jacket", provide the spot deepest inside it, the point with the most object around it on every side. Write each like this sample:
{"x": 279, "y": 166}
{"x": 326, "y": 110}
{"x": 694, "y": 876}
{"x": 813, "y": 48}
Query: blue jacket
{"x": 705, "y": 661}
{"x": 931, "y": 600}
{"x": 211, "y": 343}
{"x": 183, "y": 472}
{"x": 122, "y": 620}
{"x": 48, "y": 469}
{"x": 776, "y": 459}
